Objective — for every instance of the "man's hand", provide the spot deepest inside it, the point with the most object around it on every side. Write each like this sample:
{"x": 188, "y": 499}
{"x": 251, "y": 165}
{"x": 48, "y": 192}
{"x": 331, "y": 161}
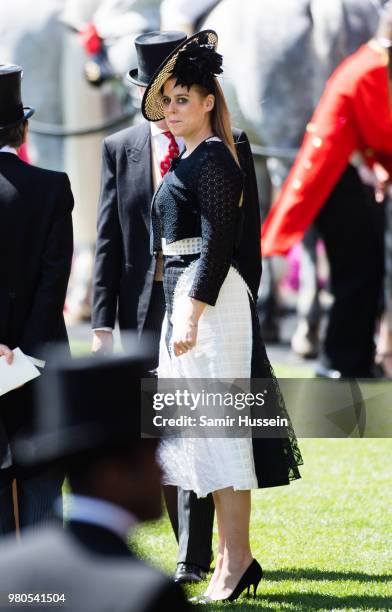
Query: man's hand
{"x": 382, "y": 180}
{"x": 102, "y": 342}
{"x": 6, "y": 351}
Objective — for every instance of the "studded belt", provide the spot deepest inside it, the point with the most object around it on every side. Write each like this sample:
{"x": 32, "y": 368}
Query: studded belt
{"x": 186, "y": 246}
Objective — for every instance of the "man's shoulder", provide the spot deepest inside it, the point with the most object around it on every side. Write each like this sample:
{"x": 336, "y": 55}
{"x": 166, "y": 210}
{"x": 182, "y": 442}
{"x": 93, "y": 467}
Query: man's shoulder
{"x": 43, "y": 175}
{"x": 14, "y": 555}
{"x": 241, "y": 140}
{"x": 367, "y": 60}
{"x": 237, "y": 133}
{"x": 127, "y": 136}
{"x": 54, "y": 554}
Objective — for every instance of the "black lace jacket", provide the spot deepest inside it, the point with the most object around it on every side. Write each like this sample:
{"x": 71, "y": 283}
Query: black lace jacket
{"x": 200, "y": 196}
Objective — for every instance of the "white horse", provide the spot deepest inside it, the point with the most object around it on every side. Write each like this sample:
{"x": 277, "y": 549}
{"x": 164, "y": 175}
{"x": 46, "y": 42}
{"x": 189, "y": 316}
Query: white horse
{"x": 117, "y": 22}
{"x": 45, "y": 42}
{"x": 278, "y": 56}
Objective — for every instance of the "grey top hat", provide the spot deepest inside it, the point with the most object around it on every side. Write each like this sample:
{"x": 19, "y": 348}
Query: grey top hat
{"x": 152, "y": 49}
{"x": 12, "y": 110}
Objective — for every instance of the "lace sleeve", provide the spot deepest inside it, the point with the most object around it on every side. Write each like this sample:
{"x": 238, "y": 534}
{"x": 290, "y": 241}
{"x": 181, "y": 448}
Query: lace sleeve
{"x": 218, "y": 191}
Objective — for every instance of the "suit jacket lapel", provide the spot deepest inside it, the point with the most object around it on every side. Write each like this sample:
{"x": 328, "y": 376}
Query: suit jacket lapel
{"x": 139, "y": 157}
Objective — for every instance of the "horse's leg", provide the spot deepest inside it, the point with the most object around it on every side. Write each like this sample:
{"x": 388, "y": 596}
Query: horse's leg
{"x": 83, "y": 107}
{"x": 268, "y": 301}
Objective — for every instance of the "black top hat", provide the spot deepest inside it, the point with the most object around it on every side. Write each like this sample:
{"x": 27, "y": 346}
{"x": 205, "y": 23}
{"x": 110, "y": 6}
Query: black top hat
{"x": 152, "y": 49}
{"x": 12, "y": 110}
{"x": 86, "y": 404}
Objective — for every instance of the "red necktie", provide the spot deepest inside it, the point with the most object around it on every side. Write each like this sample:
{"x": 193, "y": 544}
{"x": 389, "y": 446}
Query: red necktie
{"x": 172, "y": 152}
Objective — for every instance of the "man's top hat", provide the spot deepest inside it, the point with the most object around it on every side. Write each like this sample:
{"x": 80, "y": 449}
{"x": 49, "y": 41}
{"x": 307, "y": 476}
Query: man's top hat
{"x": 12, "y": 110}
{"x": 86, "y": 404}
{"x": 152, "y": 49}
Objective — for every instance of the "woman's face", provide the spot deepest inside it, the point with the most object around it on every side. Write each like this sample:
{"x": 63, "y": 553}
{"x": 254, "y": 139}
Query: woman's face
{"x": 187, "y": 112}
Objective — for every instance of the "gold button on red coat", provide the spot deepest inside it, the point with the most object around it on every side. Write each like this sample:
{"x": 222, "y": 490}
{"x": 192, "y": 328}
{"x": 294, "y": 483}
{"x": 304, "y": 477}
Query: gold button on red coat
{"x": 297, "y": 184}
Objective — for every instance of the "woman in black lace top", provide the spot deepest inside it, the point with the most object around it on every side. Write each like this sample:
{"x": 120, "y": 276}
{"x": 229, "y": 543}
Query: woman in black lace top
{"x": 211, "y": 328}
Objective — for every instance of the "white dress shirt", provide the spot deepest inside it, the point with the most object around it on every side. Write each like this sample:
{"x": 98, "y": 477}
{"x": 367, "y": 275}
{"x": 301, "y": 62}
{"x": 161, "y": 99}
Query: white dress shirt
{"x": 8, "y": 149}
{"x": 100, "y": 512}
{"x": 160, "y": 142}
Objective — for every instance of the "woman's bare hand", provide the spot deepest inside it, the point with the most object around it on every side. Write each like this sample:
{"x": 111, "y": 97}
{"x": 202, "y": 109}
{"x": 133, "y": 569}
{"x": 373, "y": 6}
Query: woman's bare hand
{"x": 7, "y": 353}
{"x": 184, "y": 337}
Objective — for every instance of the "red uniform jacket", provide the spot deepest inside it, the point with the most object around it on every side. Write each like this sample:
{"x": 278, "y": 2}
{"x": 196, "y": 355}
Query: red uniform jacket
{"x": 354, "y": 114}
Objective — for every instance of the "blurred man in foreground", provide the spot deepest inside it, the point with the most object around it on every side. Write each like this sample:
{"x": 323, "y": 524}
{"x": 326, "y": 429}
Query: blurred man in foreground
{"x": 88, "y": 420}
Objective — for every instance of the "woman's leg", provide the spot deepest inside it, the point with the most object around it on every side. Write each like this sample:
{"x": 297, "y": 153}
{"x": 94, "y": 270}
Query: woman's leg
{"x": 233, "y": 521}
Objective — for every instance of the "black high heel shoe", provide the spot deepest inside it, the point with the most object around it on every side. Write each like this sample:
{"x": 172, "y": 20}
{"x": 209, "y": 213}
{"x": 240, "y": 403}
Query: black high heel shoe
{"x": 251, "y": 577}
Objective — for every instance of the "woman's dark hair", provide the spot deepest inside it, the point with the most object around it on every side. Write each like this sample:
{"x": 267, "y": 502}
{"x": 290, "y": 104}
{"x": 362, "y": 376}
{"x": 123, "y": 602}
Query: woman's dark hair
{"x": 13, "y": 136}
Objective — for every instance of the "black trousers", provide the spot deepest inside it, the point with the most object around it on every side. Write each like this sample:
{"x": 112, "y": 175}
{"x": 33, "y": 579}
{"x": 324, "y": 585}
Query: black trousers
{"x": 37, "y": 489}
{"x": 36, "y": 493}
{"x": 191, "y": 518}
{"x": 192, "y": 521}
{"x": 351, "y": 225}
{"x": 154, "y": 318}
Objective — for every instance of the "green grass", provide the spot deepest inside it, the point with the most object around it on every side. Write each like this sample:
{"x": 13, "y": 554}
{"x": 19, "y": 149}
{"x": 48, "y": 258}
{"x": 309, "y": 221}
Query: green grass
{"x": 324, "y": 541}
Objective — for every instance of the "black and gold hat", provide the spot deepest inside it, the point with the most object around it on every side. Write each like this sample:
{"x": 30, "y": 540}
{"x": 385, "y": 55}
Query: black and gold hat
{"x": 201, "y": 63}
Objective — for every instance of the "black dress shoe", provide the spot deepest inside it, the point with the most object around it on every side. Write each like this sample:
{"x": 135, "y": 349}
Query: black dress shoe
{"x": 187, "y": 573}
{"x": 322, "y": 371}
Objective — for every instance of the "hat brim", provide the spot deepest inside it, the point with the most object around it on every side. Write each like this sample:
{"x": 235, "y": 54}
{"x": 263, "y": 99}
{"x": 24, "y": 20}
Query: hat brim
{"x": 152, "y": 103}
{"x": 133, "y": 78}
{"x": 28, "y": 111}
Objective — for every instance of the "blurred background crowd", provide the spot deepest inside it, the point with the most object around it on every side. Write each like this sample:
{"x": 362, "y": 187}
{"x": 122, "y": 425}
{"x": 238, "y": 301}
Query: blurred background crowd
{"x": 278, "y": 57}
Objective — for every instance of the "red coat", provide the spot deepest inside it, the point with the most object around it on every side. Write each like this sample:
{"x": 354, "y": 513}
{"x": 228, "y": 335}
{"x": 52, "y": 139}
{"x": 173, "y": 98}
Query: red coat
{"x": 354, "y": 114}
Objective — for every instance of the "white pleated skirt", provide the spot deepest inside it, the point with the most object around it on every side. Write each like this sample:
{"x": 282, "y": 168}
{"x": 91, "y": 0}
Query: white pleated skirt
{"x": 223, "y": 351}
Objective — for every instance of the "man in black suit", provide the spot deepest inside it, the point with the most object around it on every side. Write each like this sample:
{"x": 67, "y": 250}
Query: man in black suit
{"x": 128, "y": 279}
{"x": 35, "y": 257}
{"x": 88, "y": 421}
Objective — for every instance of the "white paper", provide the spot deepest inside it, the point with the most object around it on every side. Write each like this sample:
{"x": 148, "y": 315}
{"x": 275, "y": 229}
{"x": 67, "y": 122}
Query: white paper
{"x": 40, "y": 363}
{"x": 18, "y": 373}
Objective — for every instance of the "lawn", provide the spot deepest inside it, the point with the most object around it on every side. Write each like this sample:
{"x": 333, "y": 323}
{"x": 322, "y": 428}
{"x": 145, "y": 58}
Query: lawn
{"x": 324, "y": 542}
